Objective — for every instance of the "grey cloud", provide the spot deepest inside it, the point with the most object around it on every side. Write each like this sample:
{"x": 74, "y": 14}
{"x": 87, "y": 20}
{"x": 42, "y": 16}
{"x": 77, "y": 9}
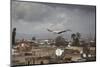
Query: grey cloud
{"x": 35, "y": 18}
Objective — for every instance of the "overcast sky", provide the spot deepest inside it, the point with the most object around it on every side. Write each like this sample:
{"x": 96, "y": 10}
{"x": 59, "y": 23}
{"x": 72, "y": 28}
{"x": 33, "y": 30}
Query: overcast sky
{"x": 33, "y": 19}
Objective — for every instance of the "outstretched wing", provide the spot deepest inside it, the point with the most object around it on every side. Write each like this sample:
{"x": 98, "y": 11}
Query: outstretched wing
{"x": 49, "y": 30}
{"x": 64, "y": 31}
{"x": 52, "y": 31}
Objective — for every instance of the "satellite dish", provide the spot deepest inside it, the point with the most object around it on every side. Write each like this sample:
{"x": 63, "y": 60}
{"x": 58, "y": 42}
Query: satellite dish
{"x": 84, "y": 55}
{"x": 22, "y": 44}
{"x": 89, "y": 55}
{"x": 69, "y": 46}
{"x": 81, "y": 52}
{"x": 59, "y": 52}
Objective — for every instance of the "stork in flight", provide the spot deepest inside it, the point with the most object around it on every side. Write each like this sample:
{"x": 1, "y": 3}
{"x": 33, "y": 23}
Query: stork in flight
{"x": 59, "y": 32}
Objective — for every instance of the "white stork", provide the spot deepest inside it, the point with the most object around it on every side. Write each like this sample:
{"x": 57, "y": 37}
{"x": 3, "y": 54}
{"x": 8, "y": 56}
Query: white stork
{"x": 59, "y": 32}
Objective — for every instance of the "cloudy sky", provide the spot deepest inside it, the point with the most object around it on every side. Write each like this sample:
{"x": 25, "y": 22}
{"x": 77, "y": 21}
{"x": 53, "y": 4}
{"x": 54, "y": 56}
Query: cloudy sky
{"x": 33, "y": 19}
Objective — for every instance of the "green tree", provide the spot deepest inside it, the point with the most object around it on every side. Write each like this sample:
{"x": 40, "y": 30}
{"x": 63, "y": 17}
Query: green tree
{"x": 60, "y": 41}
{"x": 78, "y": 35}
{"x": 73, "y": 36}
{"x": 33, "y": 38}
{"x": 13, "y": 36}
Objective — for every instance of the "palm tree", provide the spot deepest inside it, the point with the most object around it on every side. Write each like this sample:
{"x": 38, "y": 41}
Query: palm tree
{"x": 76, "y": 38}
{"x": 73, "y": 36}
{"x": 78, "y": 35}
